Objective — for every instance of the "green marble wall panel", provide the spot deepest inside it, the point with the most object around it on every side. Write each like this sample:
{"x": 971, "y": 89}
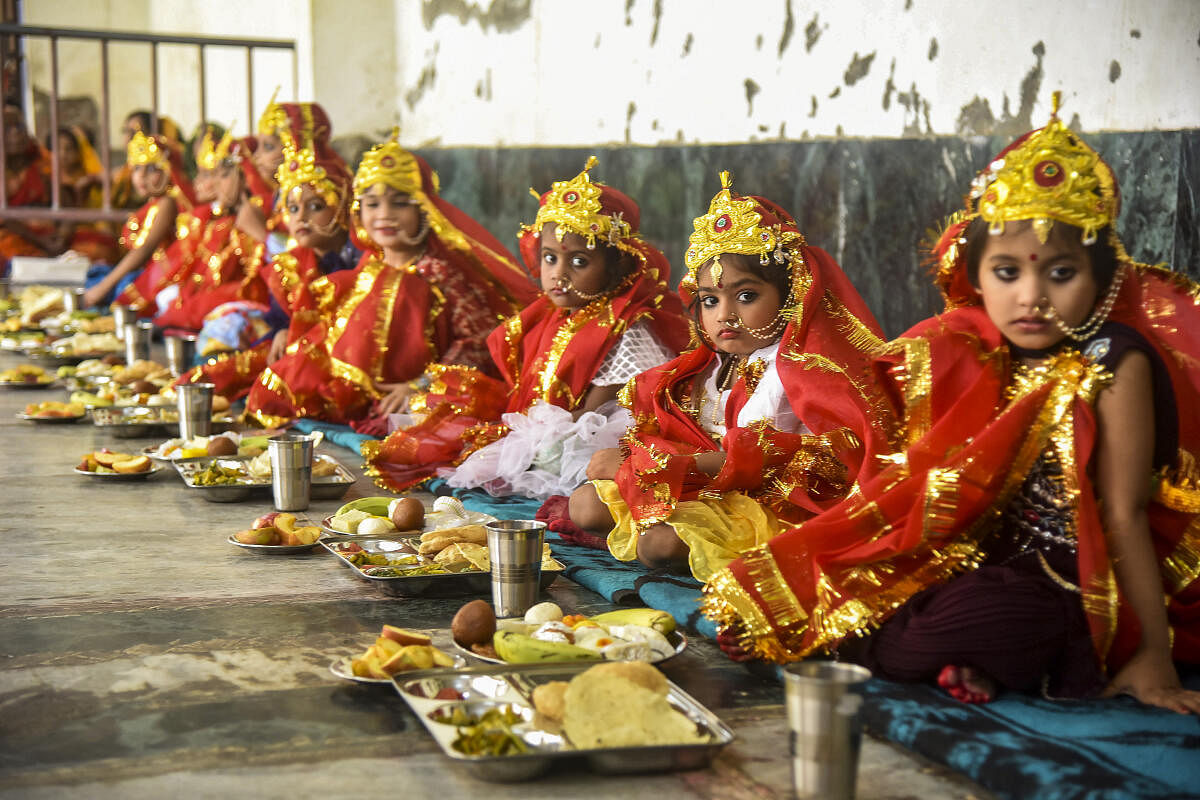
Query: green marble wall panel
{"x": 868, "y": 202}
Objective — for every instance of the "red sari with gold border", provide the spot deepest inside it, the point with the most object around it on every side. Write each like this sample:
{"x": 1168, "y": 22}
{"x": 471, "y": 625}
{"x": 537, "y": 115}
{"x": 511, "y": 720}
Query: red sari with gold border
{"x": 233, "y": 373}
{"x": 354, "y": 329}
{"x": 224, "y": 266}
{"x": 822, "y": 363}
{"x": 971, "y": 429}
{"x": 544, "y": 353}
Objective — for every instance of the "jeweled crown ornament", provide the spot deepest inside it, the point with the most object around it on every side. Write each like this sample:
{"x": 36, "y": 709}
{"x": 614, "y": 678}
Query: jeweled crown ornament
{"x": 299, "y": 168}
{"x": 732, "y": 225}
{"x": 143, "y": 150}
{"x": 273, "y": 118}
{"x": 389, "y": 163}
{"x": 212, "y": 153}
{"x": 574, "y": 206}
{"x": 1050, "y": 175}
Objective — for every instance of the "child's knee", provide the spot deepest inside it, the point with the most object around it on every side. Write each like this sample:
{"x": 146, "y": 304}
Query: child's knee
{"x": 588, "y": 511}
{"x": 660, "y": 547}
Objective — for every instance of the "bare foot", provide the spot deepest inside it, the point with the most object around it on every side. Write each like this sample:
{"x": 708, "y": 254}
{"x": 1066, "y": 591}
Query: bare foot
{"x": 967, "y": 684}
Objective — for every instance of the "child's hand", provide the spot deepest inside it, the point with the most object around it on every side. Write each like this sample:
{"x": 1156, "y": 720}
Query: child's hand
{"x": 604, "y": 465}
{"x": 278, "y": 346}
{"x": 1150, "y": 677}
{"x": 710, "y": 464}
{"x": 395, "y": 399}
{"x": 94, "y": 296}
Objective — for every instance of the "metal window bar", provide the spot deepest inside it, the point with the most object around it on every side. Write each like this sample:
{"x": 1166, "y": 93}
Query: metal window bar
{"x": 54, "y": 211}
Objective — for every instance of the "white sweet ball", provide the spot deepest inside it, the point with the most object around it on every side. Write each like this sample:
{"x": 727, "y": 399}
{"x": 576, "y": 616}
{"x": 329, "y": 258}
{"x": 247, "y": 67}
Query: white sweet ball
{"x": 451, "y": 505}
{"x": 543, "y": 612}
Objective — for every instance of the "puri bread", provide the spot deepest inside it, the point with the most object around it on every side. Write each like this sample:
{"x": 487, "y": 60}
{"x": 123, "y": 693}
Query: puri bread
{"x": 475, "y": 534}
{"x": 623, "y": 704}
{"x": 460, "y": 554}
{"x": 549, "y": 699}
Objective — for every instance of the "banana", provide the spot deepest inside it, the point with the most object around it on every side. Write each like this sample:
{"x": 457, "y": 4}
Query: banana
{"x": 375, "y": 506}
{"x": 661, "y": 621}
{"x": 519, "y": 648}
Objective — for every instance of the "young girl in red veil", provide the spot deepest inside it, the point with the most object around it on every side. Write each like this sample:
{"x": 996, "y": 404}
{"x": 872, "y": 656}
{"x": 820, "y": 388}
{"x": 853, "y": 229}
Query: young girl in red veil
{"x": 1037, "y": 529}
{"x": 239, "y": 340}
{"x": 430, "y": 287}
{"x": 604, "y": 315}
{"x": 156, "y": 170}
{"x": 218, "y": 261}
{"x": 763, "y": 424}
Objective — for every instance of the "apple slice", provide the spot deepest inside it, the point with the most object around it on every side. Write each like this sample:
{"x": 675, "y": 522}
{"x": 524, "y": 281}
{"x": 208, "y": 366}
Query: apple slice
{"x": 387, "y": 647}
{"x": 403, "y": 636}
{"x": 106, "y": 458}
{"x": 131, "y": 465}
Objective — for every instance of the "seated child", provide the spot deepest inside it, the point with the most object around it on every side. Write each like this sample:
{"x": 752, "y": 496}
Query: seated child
{"x": 763, "y": 424}
{"x": 604, "y": 315}
{"x": 429, "y": 289}
{"x": 218, "y": 261}
{"x": 243, "y": 340}
{"x": 1038, "y": 530}
{"x": 157, "y": 174}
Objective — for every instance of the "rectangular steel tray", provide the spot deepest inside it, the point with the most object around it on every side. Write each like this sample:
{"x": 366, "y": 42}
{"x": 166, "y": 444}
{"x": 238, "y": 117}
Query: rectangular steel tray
{"x": 130, "y": 422}
{"x": 451, "y": 584}
{"x": 329, "y": 487}
{"x": 515, "y": 685}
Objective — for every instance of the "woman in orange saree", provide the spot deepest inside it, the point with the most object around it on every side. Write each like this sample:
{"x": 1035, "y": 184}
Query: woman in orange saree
{"x": 1037, "y": 525}
{"x": 562, "y": 359}
{"x": 431, "y": 286}
{"x": 27, "y": 179}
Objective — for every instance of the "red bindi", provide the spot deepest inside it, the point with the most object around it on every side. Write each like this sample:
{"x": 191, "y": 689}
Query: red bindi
{"x": 1033, "y": 256}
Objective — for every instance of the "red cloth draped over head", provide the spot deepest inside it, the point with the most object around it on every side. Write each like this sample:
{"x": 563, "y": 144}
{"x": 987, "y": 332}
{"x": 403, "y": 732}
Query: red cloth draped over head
{"x": 490, "y": 265}
{"x": 823, "y": 363}
{"x": 544, "y": 353}
{"x": 970, "y": 427}
{"x": 349, "y": 330}
{"x": 524, "y": 350}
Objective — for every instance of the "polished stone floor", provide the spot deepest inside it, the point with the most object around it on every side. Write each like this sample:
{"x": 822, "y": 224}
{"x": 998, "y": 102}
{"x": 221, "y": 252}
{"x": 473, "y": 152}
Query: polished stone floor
{"x": 143, "y": 656}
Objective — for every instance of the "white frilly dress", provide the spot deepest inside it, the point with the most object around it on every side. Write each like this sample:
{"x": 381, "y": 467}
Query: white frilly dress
{"x": 546, "y": 451}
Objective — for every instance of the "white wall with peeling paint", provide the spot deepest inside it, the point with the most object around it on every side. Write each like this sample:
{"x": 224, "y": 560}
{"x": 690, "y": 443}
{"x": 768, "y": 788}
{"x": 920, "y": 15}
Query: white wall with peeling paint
{"x": 580, "y": 72}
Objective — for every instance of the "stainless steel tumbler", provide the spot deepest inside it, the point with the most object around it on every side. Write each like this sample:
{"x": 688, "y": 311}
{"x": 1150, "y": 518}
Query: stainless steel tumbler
{"x": 180, "y": 352}
{"x": 823, "y": 714}
{"x": 291, "y": 470}
{"x": 515, "y": 552}
{"x": 122, "y": 316}
{"x": 138, "y": 336}
{"x": 195, "y": 409}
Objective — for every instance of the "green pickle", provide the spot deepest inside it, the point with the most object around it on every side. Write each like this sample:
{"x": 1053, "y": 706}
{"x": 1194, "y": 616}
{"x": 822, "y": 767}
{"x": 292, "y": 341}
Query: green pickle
{"x": 488, "y": 735}
{"x": 216, "y": 475}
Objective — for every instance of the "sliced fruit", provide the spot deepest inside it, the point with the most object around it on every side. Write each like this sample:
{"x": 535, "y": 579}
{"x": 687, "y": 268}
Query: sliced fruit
{"x": 131, "y": 465}
{"x": 403, "y": 636}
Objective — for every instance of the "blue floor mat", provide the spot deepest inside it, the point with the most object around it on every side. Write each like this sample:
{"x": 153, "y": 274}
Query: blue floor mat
{"x": 1027, "y": 748}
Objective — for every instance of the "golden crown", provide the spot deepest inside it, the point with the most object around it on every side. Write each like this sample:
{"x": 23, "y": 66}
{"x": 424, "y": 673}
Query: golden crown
{"x": 213, "y": 153}
{"x": 733, "y": 225}
{"x": 300, "y": 168}
{"x": 574, "y": 207}
{"x": 273, "y": 118}
{"x": 390, "y": 164}
{"x": 143, "y": 150}
{"x": 1051, "y": 176}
